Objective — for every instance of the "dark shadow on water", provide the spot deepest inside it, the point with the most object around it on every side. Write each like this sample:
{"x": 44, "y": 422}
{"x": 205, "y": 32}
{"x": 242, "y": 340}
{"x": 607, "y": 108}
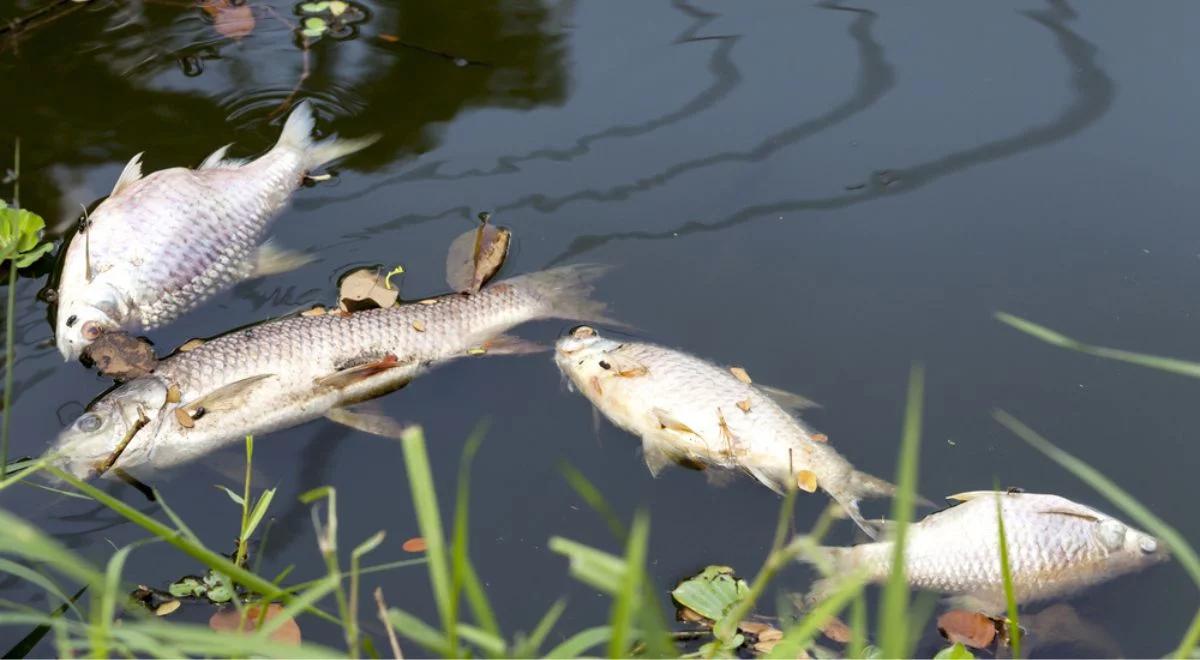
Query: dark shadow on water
{"x": 1093, "y": 93}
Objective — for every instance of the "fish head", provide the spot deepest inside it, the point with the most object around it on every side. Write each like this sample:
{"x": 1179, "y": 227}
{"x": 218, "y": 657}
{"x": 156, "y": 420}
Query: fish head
{"x": 1128, "y": 549}
{"x": 581, "y": 354}
{"x": 128, "y": 415}
{"x": 79, "y": 323}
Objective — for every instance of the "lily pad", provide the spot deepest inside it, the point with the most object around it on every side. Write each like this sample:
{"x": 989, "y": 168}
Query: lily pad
{"x": 314, "y": 26}
{"x": 314, "y": 7}
{"x": 187, "y": 586}
{"x": 21, "y": 236}
{"x": 712, "y": 592}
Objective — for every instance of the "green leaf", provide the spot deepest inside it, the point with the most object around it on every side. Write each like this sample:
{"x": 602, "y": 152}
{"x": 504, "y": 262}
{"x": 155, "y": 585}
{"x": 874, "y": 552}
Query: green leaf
{"x": 894, "y": 635}
{"x": 1006, "y": 573}
{"x": 337, "y": 8}
{"x": 712, "y": 592}
{"x": 314, "y": 7}
{"x": 576, "y": 644}
{"x": 260, "y": 511}
{"x": 528, "y": 647}
{"x": 25, "y": 259}
{"x": 490, "y": 644}
{"x": 237, "y": 499}
{"x": 956, "y": 652}
{"x": 314, "y": 27}
{"x": 418, "y": 631}
{"x": 1049, "y": 336}
{"x": 429, "y": 521}
{"x": 597, "y": 568}
{"x": 188, "y": 586}
{"x": 626, "y": 603}
{"x": 801, "y": 635}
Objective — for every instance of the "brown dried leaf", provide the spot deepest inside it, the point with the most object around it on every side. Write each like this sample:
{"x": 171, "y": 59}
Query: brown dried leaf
{"x": 230, "y": 20}
{"x": 166, "y": 608}
{"x": 121, "y": 356}
{"x": 770, "y": 635}
{"x": 364, "y": 289}
{"x": 766, "y": 646}
{"x": 173, "y": 394}
{"x": 971, "y": 629}
{"x": 191, "y": 344}
{"x": 819, "y": 437}
{"x": 476, "y": 256}
{"x": 806, "y": 480}
{"x": 185, "y": 420}
{"x": 744, "y": 405}
{"x": 230, "y": 621}
{"x": 415, "y": 544}
{"x": 317, "y": 310}
{"x": 740, "y": 374}
{"x": 838, "y": 631}
{"x": 689, "y": 615}
{"x": 390, "y": 38}
{"x": 753, "y": 627}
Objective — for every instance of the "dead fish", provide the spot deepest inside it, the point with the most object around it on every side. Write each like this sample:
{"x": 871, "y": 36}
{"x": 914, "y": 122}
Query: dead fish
{"x": 288, "y": 371}
{"x": 694, "y": 413}
{"x": 165, "y": 242}
{"x": 1056, "y": 547}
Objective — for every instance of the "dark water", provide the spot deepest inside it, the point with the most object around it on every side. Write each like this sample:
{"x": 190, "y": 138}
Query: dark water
{"x": 823, "y": 193}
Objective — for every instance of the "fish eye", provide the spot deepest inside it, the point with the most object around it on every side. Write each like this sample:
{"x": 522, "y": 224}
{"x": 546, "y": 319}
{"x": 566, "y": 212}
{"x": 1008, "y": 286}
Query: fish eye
{"x": 583, "y": 332}
{"x": 71, "y": 320}
{"x": 605, "y": 366}
{"x": 1148, "y": 545}
{"x": 89, "y": 423}
{"x": 91, "y": 330}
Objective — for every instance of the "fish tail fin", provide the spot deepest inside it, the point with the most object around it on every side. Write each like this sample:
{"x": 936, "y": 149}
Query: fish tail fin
{"x": 832, "y": 563}
{"x": 297, "y": 136}
{"x": 565, "y": 292}
{"x": 864, "y": 486}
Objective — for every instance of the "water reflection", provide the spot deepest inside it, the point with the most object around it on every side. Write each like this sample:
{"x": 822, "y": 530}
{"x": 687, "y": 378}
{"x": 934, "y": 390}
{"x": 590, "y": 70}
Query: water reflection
{"x": 1092, "y": 93}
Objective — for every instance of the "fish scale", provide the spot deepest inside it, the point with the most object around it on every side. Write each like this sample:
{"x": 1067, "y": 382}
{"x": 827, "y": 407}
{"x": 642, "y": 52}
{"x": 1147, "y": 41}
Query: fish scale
{"x": 284, "y": 372}
{"x": 163, "y": 243}
{"x": 1055, "y": 547}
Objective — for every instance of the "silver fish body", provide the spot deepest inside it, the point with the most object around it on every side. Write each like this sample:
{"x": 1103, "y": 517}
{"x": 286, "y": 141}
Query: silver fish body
{"x": 689, "y": 411}
{"x": 288, "y": 371}
{"x": 163, "y": 243}
{"x": 1056, "y": 547}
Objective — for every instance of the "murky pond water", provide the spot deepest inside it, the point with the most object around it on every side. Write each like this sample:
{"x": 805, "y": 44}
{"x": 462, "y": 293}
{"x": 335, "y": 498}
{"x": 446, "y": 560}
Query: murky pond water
{"x": 822, "y": 193}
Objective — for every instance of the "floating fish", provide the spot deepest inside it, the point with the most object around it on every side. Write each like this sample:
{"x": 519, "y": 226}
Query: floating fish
{"x": 291, "y": 370}
{"x": 1056, "y": 547}
{"x": 163, "y": 243}
{"x": 696, "y": 414}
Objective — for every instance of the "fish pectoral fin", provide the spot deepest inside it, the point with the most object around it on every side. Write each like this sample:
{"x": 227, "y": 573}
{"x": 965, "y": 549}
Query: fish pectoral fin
{"x": 510, "y": 345}
{"x": 970, "y": 495}
{"x": 625, "y": 366}
{"x": 719, "y": 478}
{"x": 373, "y": 423}
{"x": 350, "y": 375}
{"x": 226, "y": 397}
{"x": 786, "y": 399}
{"x": 271, "y": 259}
{"x": 131, "y": 174}
{"x": 668, "y": 421}
{"x": 655, "y": 455}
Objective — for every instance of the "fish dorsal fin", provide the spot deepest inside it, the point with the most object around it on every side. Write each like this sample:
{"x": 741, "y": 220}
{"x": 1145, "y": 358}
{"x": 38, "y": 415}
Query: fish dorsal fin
{"x": 130, "y": 175}
{"x": 1084, "y": 515}
{"x": 217, "y": 160}
{"x": 352, "y": 374}
{"x": 668, "y": 421}
{"x": 970, "y": 495}
{"x": 226, "y": 397}
{"x": 786, "y": 399}
{"x": 367, "y": 422}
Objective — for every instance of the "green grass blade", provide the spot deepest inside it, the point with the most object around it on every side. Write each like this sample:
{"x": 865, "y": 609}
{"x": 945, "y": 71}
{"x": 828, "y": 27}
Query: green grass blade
{"x": 355, "y": 560}
{"x": 429, "y": 520}
{"x": 418, "y": 631}
{"x": 378, "y": 568}
{"x": 625, "y": 605}
{"x": 299, "y": 604}
{"x": 1191, "y": 639}
{"x": 490, "y": 644}
{"x": 576, "y": 644}
{"x": 105, "y": 611}
{"x": 176, "y": 520}
{"x": 594, "y": 567}
{"x": 529, "y": 647}
{"x": 9, "y": 362}
{"x": 955, "y": 652}
{"x": 25, "y": 540}
{"x": 19, "y": 570}
{"x": 893, "y": 618}
{"x": 26, "y": 644}
{"x": 800, "y": 636}
{"x": 463, "y": 576}
{"x": 1010, "y": 598}
{"x": 1049, "y": 336}
{"x": 148, "y": 636}
{"x": 259, "y": 512}
{"x": 591, "y": 495}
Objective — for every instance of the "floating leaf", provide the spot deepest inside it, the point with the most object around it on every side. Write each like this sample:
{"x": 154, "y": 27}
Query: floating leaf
{"x": 230, "y": 620}
{"x": 415, "y": 544}
{"x": 338, "y": 7}
{"x": 187, "y": 586}
{"x": 314, "y": 27}
{"x": 476, "y": 256}
{"x": 166, "y": 608}
{"x": 740, "y": 374}
{"x": 837, "y": 630}
{"x": 121, "y": 356}
{"x": 234, "y": 21}
{"x": 711, "y": 593}
{"x": 314, "y": 7}
{"x": 970, "y": 628}
{"x": 21, "y": 236}
{"x": 955, "y": 652}
{"x": 363, "y": 289}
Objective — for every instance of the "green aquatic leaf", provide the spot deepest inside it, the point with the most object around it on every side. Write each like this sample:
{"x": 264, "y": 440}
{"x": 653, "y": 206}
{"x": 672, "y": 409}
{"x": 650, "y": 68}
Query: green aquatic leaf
{"x": 956, "y": 652}
{"x": 188, "y": 586}
{"x": 314, "y": 7}
{"x": 21, "y": 236}
{"x": 314, "y": 27}
{"x": 338, "y": 7}
{"x": 711, "y": 593}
